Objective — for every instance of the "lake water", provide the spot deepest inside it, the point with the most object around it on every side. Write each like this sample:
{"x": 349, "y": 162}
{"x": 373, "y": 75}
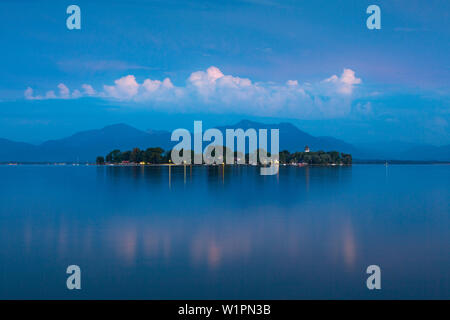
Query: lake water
{"x": 225, "y": 233}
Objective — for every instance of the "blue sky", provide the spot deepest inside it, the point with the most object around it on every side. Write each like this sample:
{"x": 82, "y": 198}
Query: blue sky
{"x": 163, "y": 64}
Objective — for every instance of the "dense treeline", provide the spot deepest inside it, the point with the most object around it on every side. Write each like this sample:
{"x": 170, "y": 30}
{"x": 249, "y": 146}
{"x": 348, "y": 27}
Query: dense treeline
{"x": 319, "y": 157}
{"x": 159, "y": 156}
{"x": 150, "y": 155}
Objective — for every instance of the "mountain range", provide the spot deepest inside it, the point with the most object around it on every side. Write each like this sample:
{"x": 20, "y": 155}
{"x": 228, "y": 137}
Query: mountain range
{"x": 87, "y": 145}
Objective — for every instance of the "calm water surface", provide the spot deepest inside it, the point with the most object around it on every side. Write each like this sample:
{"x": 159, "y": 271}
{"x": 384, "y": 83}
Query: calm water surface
{"x": 224, "y": 233}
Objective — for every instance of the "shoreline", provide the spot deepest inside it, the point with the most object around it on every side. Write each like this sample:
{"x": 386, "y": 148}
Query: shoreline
{"x": 357, "y": 162}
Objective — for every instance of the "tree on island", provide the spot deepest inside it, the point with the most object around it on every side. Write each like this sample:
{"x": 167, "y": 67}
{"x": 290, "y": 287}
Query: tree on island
{"x": 158, "y": 156}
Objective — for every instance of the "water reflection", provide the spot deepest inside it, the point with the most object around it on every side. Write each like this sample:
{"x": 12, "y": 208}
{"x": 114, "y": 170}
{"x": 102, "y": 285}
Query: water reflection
{"x": 220, "y": 231}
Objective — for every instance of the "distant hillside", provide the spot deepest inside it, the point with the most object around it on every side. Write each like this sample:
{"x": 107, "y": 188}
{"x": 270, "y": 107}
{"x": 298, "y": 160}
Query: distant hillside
{"x": 16, "y": 151}
{"x": 87, "y": 145}
{"x": 84, "y": 146}
{"x": 294, "y": 139}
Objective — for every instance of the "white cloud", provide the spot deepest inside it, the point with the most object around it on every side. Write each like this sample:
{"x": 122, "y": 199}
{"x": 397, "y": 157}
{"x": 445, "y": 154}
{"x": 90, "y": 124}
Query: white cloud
{"x": 88, "y": 90}
{"x": 50, "y": 95}
{"x": 76, "y": 94}
{"x": 125, "y": 88}
{"x": 200, "y": 78}
{"x": 29, "y": 94}
{"x": 213, "y": 91}
{"x": 346, "y": 82}
{"x": 150, "y": 85}
{"x": 64, "y": 92}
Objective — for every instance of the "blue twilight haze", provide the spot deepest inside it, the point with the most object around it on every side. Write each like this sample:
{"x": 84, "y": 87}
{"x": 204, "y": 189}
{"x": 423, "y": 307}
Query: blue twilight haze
{"x": 92, "y": 92}
{"x": 163, "y": 64}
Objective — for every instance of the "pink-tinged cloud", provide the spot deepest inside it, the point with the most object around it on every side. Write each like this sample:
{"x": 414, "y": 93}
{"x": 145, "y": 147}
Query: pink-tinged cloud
{"x": 213, "y": 91}
{"x": 88, "y": 90}
{"x": 344, "y": 84}
{"x": 29, "y": 94}
{"x": 125, "y": 88}
{"x": 64, "y": 92}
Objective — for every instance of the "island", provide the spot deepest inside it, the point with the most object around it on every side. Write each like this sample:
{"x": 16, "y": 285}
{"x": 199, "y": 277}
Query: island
{"x": 158, "y": 155}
